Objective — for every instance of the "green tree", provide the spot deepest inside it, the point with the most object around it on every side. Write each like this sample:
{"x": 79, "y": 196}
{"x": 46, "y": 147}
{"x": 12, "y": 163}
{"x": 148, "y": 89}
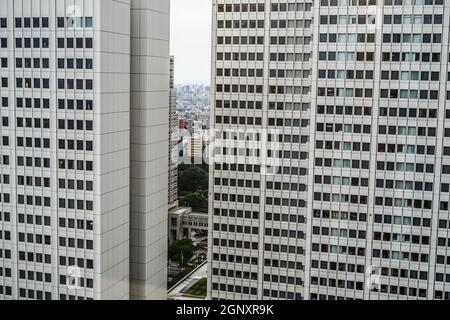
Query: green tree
{"x": 198, "y": 201}
{"x": 192, "y": 178}
{"x": 204, "y": 166}
{"x": 182, "y": 248}
{"x": 182, "y": 167}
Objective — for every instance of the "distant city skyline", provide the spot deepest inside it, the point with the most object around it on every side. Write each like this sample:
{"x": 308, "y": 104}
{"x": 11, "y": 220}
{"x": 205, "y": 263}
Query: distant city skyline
{"x": 191, "y": 41}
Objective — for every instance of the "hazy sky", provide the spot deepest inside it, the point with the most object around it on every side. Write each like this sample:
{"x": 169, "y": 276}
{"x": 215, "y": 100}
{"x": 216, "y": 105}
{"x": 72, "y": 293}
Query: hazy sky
{"x": 191, "y": 40}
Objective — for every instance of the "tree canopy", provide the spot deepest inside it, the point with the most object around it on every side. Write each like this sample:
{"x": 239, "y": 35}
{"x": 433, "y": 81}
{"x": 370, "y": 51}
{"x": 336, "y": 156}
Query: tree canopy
{"x": 192, "y": 178}
{"x": 181, "y": 248}
{"x": 198, "y": 200}
{"x": 193, "y": 186}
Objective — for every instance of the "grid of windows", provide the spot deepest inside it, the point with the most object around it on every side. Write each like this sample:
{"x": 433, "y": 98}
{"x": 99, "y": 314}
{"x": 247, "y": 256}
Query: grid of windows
{"x": 377, "y": 120}
{"x": 31, "y": 152}
{"x": 240, "y": 189}
{"x": 384, "y": 171}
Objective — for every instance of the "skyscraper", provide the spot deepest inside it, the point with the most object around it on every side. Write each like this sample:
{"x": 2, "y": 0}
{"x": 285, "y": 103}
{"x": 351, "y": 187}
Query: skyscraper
{"x": 150, "y": 79}
{"x": 261, "y": 112}
{"x": 73, "y": 77}
{"x": 173, "y": 140}
{"x": 358, "y": 93}
{"x": 378, "y": 225}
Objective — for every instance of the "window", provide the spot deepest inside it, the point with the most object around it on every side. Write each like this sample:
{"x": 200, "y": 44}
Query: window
{"x": 88, "y": 22}
{"x": 79, "y": 43}
{"x": 61, "y": 22}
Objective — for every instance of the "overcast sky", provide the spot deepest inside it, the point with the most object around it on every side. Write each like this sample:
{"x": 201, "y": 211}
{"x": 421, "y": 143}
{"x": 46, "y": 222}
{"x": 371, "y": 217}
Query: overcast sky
{"x": 191, "y": 40}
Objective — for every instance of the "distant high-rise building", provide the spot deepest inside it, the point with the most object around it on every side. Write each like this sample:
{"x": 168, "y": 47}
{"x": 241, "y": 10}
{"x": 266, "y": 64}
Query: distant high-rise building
{"x": 195, "y": 147}
{"x": 72, "y": 80}
{"x": 181, "y": 124}
{"x": 197, "y": 127}
{"x": 353, "y": 98}
{"x": 173, "y": 140}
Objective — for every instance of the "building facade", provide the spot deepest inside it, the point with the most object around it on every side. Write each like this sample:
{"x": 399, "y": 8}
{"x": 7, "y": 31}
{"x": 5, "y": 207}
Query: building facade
{"x": 150, "y": 69}
{"x": 260, "y": 121}
{"x": 361, "y": 210}
{"x": 195, "y": 146}
{"x": 73, "y": 79}
{"x": 378, "y": 225}
{"x": 173, "y": 140}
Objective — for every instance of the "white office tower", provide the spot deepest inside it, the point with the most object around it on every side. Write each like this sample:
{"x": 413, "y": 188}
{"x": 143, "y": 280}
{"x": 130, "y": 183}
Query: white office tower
{"x": 67, "y": 83}
{"x": 375, "y": 214}
{"x": 150, "y": 68}
{"x": 260, "y": 120}
{"x": 379, "y": 219}
{"x": 173, "y": 140}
